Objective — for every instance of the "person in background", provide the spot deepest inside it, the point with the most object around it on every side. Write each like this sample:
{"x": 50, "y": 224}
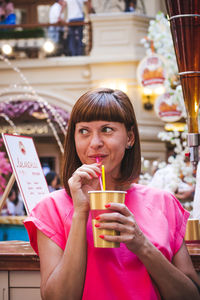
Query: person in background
{"x": 10, "y": 13}
{"x": 130, "y": 5}
{"x": 2, "y": 14}
{"x": 58, "y": 185}
{"x": 46, "y": 168}
{"x": 75, "y": 13}
{"x": 52, "y": 181}
{"x": 9, "y": 207}
{"x": 55, "y": 33}
{"x": 152, "y": 261}
{"x": 14, "y": 204}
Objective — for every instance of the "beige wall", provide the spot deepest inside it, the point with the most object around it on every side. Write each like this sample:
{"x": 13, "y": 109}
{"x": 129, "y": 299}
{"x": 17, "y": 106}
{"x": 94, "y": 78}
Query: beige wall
{"x": 154, "y": 6}
{"x": 151, "y": 7}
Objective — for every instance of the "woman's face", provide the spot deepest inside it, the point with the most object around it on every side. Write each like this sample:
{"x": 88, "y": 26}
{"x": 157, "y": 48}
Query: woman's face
{"x": 103, "y": 139}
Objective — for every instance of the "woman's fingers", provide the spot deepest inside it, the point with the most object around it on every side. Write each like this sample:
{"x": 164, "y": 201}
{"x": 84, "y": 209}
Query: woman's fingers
{"x": 119, "y": 207}
{"x": 87, "y": 171}
{"x": 122, "y": 221}
{"x": 125, "y": 238}
{"x": 117, "y": 226}
{"x": 116, "y": 217}
{"x": 83, "y": 175}
{"x": 118, "y": 213}
{"x": 131, "y": 236}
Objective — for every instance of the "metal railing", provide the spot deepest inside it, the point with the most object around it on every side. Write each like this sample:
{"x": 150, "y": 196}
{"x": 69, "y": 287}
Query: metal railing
{"x": 29, "y": 39}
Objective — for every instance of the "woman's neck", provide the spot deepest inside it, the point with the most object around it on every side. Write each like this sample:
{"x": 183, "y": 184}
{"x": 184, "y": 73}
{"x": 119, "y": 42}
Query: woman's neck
{"x": 112, "y": 185}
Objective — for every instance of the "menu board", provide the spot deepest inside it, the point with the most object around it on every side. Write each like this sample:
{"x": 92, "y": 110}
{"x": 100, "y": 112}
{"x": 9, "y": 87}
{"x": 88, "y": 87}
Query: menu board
{"x": 27, "y": 169}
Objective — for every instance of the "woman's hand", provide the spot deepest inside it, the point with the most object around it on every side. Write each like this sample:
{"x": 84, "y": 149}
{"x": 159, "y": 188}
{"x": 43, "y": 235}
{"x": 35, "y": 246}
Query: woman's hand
{"x": 170, "y": 279}
{"x": 84, "y": 179}
{"x": 124, "y": 222}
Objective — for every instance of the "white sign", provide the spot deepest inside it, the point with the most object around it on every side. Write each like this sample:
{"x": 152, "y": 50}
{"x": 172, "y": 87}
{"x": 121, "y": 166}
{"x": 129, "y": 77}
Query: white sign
{"x": 27, "y": 169}
{"x": 166, "y": 108}
{"x": 152, "y": 71}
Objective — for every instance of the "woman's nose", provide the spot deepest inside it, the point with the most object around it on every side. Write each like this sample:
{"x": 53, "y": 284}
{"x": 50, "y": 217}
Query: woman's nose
{"x": 96, "y": 141}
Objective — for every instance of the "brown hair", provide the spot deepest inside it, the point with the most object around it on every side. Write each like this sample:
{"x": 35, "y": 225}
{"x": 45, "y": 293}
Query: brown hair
{"x": 99, "y": 105}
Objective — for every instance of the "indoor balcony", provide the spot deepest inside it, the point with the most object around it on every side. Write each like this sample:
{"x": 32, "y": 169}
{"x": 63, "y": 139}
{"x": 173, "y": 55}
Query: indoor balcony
{"x": 33, "y": 41}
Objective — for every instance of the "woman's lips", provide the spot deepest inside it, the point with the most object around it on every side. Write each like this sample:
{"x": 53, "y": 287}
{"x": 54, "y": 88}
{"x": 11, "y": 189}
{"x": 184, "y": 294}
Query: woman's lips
{"x": 97, "y": 158}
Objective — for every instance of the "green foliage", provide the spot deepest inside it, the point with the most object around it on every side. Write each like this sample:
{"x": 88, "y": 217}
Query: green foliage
{"x": 6, "y": 34}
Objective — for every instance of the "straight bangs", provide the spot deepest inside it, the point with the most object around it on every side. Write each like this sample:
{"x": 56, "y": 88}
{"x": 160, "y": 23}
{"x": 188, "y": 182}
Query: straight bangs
{"x": 100, "y": 107}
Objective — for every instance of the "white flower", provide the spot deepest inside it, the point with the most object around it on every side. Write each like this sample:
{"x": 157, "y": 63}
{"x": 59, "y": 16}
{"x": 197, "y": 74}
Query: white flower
{"x": 159, "y": 32}
{"x": 171, "y": 159}
{"x": 168, "y": 176}
{"x": 162, "y": 165}
{"x": 146, "y": 164}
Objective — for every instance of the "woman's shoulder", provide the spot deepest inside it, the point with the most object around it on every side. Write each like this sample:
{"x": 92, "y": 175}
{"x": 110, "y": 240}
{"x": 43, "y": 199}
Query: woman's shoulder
{"x": 141, "y": 189}
{"x": 57, "y": 195}
{"x": 49, "y": 216}
{"x": 154, "y": 197}
{"x": 58, "y": 200}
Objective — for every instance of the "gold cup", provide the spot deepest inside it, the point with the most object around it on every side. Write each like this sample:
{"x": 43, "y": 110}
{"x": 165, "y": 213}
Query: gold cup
{"x": 192, "y": 233}
{"x": 98, "y": 200}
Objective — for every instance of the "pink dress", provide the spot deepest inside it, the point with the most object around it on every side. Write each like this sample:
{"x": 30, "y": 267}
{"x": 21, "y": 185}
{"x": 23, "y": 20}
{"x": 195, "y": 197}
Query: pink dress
{"x": 116, "y": 273}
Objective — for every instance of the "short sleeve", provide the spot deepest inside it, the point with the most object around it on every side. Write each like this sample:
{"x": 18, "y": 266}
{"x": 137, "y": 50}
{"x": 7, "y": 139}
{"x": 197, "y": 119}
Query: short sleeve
{"x": 177, "y": 218}
{"x": 49, "y": 219}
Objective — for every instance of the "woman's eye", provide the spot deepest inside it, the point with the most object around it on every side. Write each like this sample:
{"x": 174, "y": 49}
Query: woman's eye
{"x": 83, "y": 131}
{"x": 107, "y": 129}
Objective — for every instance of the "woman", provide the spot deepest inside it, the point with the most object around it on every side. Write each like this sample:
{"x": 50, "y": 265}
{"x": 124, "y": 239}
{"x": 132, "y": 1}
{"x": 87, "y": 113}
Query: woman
{"x": 152, "y": 261}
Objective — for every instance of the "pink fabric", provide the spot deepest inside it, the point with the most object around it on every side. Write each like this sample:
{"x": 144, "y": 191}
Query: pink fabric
{"x": 116, "y": 273}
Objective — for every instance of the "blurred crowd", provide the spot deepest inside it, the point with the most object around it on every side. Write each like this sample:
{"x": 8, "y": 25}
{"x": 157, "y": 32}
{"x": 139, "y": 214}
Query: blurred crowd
{"x": 70, "y": 39}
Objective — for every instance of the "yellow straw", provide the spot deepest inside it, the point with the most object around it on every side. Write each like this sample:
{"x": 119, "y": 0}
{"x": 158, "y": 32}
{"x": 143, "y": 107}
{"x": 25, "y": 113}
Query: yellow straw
{"x": 103, "y": 178}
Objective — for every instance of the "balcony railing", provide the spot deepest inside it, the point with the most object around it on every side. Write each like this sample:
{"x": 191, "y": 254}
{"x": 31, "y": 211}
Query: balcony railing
{"x": 28, "y": 40}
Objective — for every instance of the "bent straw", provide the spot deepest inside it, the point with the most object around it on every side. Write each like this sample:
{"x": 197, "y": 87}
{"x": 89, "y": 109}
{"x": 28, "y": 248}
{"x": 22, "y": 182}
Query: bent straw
{"x": 103, "y": 177}
{"x": 100, "y": 180}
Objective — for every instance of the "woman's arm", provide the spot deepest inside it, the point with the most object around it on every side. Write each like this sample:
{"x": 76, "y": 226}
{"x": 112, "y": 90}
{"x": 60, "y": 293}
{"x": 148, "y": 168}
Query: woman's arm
{"x": 63, "y": 273}
{"x": 172, "y": 279}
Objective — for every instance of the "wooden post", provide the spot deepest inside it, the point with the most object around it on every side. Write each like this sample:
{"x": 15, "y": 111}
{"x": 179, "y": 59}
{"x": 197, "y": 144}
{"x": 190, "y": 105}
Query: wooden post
{"x": 7, "y": 191}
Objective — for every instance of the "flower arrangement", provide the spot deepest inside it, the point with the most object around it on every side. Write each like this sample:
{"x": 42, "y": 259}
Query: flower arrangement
{"x": 5, "y": 169}
{"x": 176, "y": 174}
{"x": 159, "y": 40}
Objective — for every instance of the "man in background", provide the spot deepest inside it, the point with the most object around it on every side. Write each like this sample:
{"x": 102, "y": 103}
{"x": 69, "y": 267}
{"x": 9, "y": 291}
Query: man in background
{"x": 75, "y": 13}
{"x": 55, "y": 33}
{"x": 10, "y": 13}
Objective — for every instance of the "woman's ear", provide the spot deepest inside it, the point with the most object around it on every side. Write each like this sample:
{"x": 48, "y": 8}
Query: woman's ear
{"x": 131, "y": 138}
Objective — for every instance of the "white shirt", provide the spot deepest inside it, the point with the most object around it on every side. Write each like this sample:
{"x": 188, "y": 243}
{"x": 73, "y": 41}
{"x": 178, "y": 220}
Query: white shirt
{"x": 54, "y": 13}
{"x": 19, "y": 208}
{"x": 10, "y": 207}
{"x": 75, "y": 9}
